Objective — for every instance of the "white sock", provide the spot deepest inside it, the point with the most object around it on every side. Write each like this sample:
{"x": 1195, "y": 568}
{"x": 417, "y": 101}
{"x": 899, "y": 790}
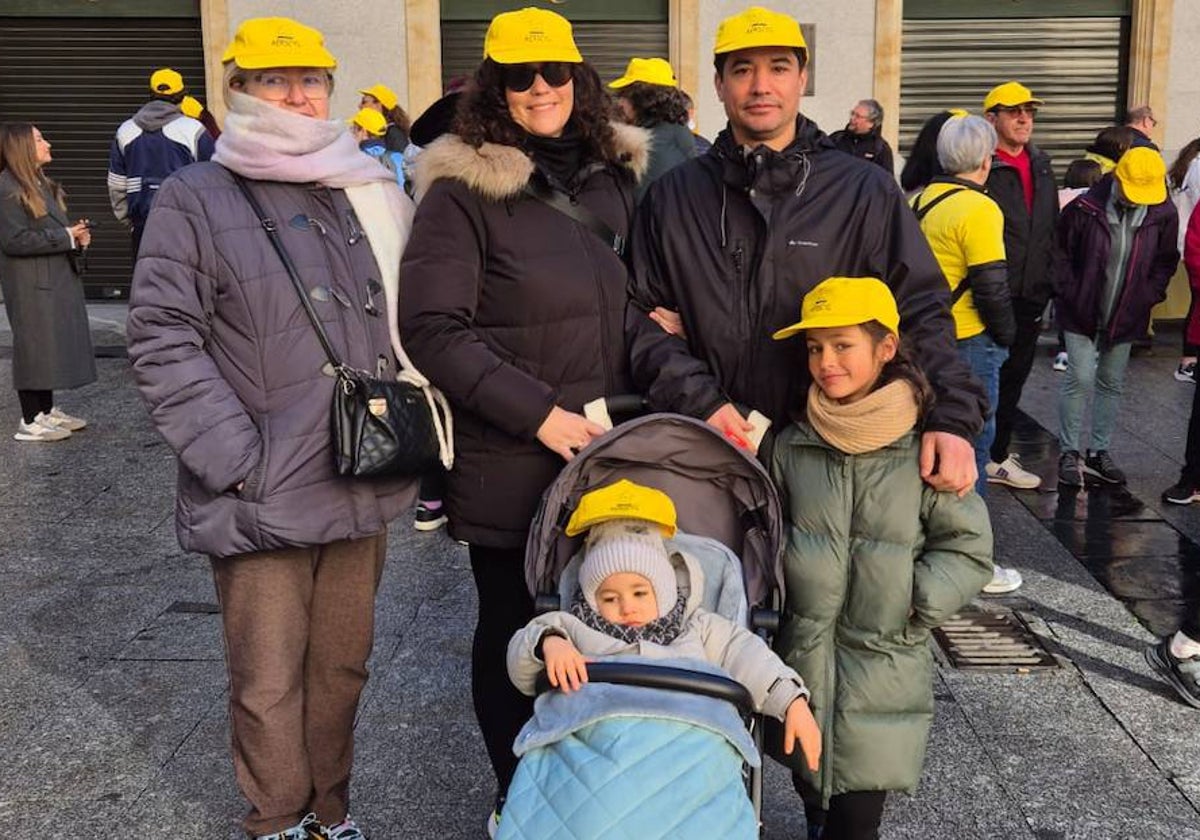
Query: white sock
{"x": 1184, "y": 647}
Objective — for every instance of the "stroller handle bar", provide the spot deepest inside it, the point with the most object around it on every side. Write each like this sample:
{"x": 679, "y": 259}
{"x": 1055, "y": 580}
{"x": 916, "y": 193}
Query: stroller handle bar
{"x": 667, "y": 678}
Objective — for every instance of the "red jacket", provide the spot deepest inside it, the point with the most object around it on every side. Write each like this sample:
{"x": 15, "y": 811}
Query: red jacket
{"x": 1191, "y": 260}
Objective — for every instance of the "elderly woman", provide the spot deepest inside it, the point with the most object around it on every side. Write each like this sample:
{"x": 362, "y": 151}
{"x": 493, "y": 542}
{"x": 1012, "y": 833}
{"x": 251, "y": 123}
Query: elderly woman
{"x": 514, "y": 308}
{"x": 238, "y": 384}
{"x": 650, "y": 97}
{"x": 965, "y": 229}
{"x": 52, "y": 347}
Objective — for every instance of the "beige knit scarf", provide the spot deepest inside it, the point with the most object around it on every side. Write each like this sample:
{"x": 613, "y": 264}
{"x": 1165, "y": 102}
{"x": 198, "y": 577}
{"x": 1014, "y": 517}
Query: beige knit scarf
{"x": 881, "y": 417}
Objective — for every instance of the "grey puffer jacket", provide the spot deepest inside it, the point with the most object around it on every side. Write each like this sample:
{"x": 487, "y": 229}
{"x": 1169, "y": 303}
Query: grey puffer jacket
{"x": 706, "y": 636}
{"x": 232, "y": 370}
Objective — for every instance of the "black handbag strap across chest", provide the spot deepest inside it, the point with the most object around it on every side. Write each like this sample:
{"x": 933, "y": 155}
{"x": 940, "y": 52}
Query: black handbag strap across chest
{"x": 553, "y": 198}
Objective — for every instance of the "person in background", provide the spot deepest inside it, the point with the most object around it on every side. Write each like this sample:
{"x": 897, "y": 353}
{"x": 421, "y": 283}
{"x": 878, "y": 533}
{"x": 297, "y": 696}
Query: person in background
{"x": 922, "y": 166}
{"x": 514, "y": 309}
{"x": 368, "y": 127}
{"x": 234, "y": 379}
{"x": 194, "y": 108}
{"x": 1109, "y": 145}
{"x": 1141, "y": 122}
{"x": 1184, "y": 179}
{"x": 650, "y": 98}
{"x": 39, "y": 244}
{"x": 148, "y": 147}
{"x": 965, "y": 229}
{"x": 1187, "y": 489}
{"x": 1081, "y": 176}
{"x": 381, "y": 98}
{"x": 1022, "y": 182}
{"x": 1119, "y": 242}
{"x": 702, "y": 143}
{"x": 861, "y": 136}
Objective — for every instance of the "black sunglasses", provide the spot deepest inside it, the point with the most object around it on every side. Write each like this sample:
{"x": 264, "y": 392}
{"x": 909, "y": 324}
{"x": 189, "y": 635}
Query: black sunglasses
{"x": 520, "y": 77}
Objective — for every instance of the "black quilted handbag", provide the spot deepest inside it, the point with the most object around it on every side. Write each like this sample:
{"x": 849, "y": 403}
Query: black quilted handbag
{"x": 379, "y": 427}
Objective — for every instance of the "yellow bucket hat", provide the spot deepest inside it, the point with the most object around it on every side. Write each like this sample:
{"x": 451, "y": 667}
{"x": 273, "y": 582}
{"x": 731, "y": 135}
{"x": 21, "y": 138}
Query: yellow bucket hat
{"x": 1142, "y": 174}
{"x": 844, "y": 302}
{"x": 758, "y": 27}
{"x": 529, "y": 36}
{"x": 623, "y": 500}
{"x": 651, "y": 71}
{"x": 1009, "y": 94}
{"x": 370, "y": 121}
{"x": 277, "y": 42}
{"x": 387, "y": 98}
{"x": 166, "y": 81}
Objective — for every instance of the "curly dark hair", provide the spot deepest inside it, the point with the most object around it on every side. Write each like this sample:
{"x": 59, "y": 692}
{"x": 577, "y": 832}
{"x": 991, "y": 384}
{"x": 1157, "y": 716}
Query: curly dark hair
{"x": 655, "y": 104}
{"x": 483, "y": 115}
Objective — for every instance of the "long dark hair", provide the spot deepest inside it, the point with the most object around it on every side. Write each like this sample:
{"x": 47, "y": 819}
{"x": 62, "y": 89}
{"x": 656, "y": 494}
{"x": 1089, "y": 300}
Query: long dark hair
{"x": 1179, "y": 168}
{"x": 655, "y": 104}
{"x": 18, "y": 156}
{"x": 922, "y": 164}
{"x": 1112, "y": 142}
{"x": 902, "y": 366}
{"x": 483, "y": 115}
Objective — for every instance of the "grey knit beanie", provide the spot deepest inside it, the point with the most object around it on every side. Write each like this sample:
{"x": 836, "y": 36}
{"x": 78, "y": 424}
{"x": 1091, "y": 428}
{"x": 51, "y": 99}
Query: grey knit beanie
{"x": 628, "y": 545}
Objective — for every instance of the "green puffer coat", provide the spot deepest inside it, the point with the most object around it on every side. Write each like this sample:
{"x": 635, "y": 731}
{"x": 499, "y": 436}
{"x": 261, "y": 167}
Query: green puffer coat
{"x": 875, "y": 558}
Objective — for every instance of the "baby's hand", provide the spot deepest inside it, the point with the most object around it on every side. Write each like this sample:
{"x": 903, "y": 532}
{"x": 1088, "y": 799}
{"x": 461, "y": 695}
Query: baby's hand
{"x": 565, "y": 665}
{"x": 799, "y": 725}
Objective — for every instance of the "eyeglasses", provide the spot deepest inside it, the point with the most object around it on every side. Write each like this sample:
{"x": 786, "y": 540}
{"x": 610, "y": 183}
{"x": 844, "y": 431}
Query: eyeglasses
{"x": 1030, "y": 111}
{"x": 276, "y": 86}
{"x": 520, "y": 77}
{"x": 855, "y": 115}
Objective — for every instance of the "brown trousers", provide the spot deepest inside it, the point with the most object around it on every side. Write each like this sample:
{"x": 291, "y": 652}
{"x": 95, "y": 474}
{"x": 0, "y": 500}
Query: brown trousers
{"x": 299, "y": 624}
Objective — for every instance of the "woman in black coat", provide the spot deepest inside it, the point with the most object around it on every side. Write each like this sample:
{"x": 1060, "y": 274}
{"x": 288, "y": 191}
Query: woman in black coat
{"x": 515, "y": 310}
{"x": 39, "y": 245}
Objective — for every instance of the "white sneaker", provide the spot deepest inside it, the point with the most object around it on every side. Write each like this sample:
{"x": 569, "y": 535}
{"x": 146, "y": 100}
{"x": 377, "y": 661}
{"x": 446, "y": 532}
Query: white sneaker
{"x": 493, "y": 825}
{"x": 1003, "y": 581}
{"x": 1060, "y": 361}
{"x": 1011, "y": 472}
{"x": 40, "y": 431}
{"x": 64, "y": 421}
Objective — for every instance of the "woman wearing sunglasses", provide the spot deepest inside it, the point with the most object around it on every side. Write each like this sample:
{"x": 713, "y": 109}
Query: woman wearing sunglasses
{"x": 515, "y": 309}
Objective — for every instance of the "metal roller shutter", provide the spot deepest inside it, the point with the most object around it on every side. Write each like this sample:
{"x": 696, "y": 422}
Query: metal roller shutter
{"x": 78, "y": 79}
{"x": 1075, "y": 64}
{"x": 607, "y": 45}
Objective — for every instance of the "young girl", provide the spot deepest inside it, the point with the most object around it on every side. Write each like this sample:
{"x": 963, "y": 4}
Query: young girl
{"x": 875, "y": 558}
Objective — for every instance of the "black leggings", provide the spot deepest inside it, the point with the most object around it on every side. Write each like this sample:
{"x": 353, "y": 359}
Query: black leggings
{"x": 854, "y": 815}
{"x": 34, "y": 403}
{"x": 505, "y": 606}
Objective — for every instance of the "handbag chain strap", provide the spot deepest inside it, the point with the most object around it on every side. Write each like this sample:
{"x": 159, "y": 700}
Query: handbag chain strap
{"x": 272, "y": 229}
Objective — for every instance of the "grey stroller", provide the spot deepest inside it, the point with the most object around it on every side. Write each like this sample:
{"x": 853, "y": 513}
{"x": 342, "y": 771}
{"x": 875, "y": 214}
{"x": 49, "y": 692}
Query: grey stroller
{"x": 730, "y": 523}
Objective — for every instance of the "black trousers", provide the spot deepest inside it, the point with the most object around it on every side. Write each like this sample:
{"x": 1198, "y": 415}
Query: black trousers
{"x": 1015, "y": 371}
{"x": 505, "y": 606}
{"x": 854, "y": 815}
{"x": 34, "y": 403}
{"x": 433, "y": 486}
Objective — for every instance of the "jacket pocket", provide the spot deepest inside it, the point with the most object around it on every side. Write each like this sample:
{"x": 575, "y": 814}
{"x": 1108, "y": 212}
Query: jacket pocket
{"x": 255, "y": 486}
{"x": 42, "y": 278}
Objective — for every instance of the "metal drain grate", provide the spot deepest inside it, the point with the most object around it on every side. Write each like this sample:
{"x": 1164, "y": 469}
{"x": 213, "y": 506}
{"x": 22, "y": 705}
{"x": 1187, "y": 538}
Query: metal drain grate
{"x": 985, "y": 639}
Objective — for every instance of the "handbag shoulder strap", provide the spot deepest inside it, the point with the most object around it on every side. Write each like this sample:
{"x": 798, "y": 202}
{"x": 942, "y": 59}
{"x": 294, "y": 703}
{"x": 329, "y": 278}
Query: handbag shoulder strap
{"x": 922, "y": 212}
{"x": 579, "y": 212}
{"x": 272, "y": 229}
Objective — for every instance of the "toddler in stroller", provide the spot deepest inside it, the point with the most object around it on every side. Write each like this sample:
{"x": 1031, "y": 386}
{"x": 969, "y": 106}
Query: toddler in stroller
{"x": 657, "y": 765}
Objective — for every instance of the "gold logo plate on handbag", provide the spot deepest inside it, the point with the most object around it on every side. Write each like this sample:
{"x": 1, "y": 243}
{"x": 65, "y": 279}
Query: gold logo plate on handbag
{"x": 377, "y": 406}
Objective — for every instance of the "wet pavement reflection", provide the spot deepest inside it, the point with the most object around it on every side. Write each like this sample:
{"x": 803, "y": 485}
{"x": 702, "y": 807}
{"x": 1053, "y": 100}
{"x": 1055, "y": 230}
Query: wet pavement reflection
{"x": 1143, "y": 560}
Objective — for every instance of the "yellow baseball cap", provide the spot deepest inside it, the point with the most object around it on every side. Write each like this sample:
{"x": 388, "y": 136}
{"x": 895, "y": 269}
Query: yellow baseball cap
{"x": 529, "y": 36}
{"x": 277, "y": 42}
{"x": 387, "y": 98}
{"x": 652, "y": 71}
{"x": 844, "y": 302}
{"x": 370, "y": 121}
{"x": 758, "y": 27}
{"x": 166, "y": 81}
{"x": 191, "y": 107}
{"x": 623, "y": 500}
{"x": 1142, "y": 174}
{"x": 1009, "y": 94}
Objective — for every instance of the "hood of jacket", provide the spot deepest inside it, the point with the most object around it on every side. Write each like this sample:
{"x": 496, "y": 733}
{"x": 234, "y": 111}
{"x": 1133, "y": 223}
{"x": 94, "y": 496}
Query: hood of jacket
{"x": 499, "y": 172}
{"x": 155, "y": 114}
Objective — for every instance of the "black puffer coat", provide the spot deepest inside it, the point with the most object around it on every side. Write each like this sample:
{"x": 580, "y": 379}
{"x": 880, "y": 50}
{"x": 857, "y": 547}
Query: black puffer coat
{"x": 1029, "y": 245}
{"x": 733, "y": 241}
{"x": 510, "y": 308}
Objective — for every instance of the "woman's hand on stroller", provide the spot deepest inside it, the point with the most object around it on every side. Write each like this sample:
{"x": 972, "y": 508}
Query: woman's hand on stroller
{"x": 799, "y": 725}
{"x": 566, "y": 432}
{"x": 565, "y": 666}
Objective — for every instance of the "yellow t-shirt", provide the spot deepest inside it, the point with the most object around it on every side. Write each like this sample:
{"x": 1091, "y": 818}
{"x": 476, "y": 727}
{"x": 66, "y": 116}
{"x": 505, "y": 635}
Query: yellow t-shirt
{"x": 963, "y": 230}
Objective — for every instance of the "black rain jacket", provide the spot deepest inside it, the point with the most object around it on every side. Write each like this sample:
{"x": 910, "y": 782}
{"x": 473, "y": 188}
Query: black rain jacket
{"x": 1029, "y": 244}
{"x": 733, "y": 239}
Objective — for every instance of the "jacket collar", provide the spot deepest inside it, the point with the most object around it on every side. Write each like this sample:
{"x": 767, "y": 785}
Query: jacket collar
{"x": 1035, "y": 154}
{"x": 765, "y": 169}
{"x": 1095, "y": 200}
{"x": 499, "y": 172}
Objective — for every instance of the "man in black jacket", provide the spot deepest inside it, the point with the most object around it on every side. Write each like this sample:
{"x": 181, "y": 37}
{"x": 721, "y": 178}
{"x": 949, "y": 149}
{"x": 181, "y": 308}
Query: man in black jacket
{"x": 733, "y": 240}
{"x": 1022, "y": 183}
{"x": 861, "y": 136}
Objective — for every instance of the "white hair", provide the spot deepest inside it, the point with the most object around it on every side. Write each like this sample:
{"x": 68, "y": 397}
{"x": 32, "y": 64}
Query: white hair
{"x": 964, "y": 143}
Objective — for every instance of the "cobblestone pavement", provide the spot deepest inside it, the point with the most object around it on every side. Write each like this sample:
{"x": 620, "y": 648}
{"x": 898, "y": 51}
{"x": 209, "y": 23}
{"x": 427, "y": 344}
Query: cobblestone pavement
{"x": 112, "y": 702}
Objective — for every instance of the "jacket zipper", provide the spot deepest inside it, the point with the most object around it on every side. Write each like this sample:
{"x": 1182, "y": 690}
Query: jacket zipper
{"x": 831, "y": 676}
{"x": 585, "y": 237}
{"x": 1133, "y": 252}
